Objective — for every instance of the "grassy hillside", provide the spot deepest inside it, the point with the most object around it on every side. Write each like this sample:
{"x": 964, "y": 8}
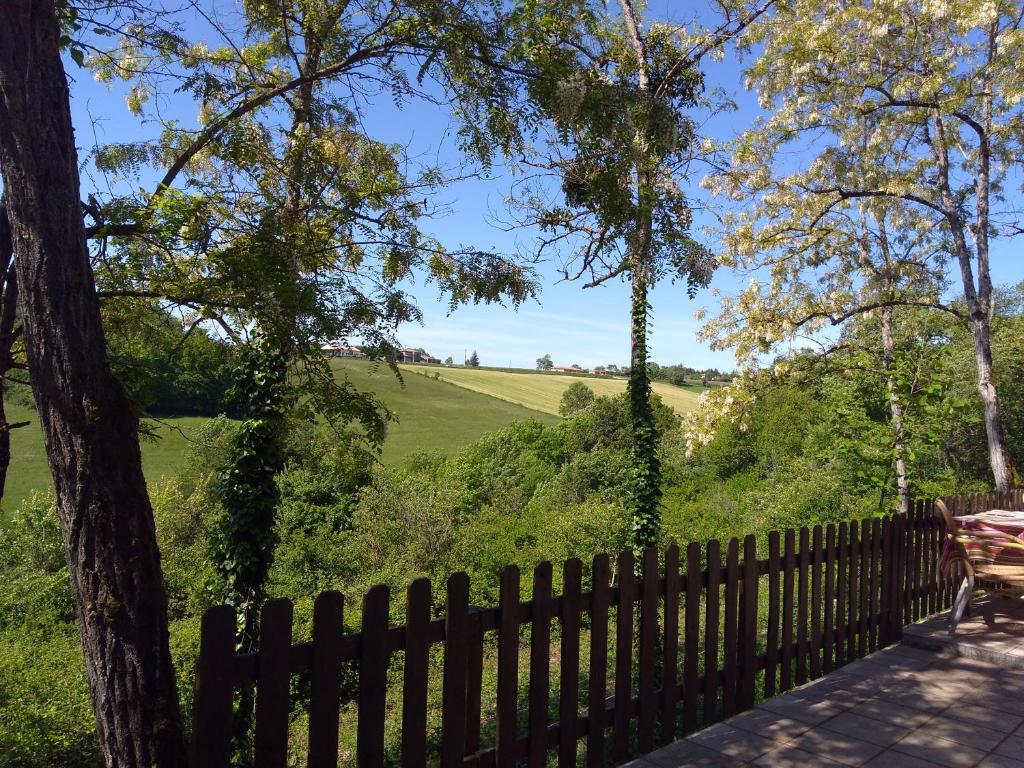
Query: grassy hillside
{"x": 29, "y": 472}
{"x": 432, "y": 415}
{"x": 543, "y": 391}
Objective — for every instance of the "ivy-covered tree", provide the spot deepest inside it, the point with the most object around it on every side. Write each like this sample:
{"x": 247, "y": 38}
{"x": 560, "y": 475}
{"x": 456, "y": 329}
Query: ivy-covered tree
{"x": 616, "y": 92}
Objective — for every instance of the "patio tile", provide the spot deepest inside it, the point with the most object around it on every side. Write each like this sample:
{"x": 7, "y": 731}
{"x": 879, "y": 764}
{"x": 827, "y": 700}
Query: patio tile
{"x": 687, "y": 753}
{"x": 877, "y": 732}
{"x": 971, "y": 734}
{"x": 734, "y": 742}
{"x": 999, "y": 700}
{"x": 983, "y": 716}
{"x": 1013, "y": 747}
{"x": 812, "y": 712}
{"x": 938, "y": 750}
{"x": 769, "y": 724}
{"x": 840, "y": 747}
{"x": 890, "y": 712}
{"x": 892, "y": 759}
{"x": 1000, "y": 761}
{"x": 788, "y": 756}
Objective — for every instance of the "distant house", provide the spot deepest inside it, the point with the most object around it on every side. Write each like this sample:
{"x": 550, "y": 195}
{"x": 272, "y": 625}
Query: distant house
{"x": 568, "y": 369}
{"x": 341, "y": 350}
{"x": 409, "y": 355}
{"x": 600, "y": 372}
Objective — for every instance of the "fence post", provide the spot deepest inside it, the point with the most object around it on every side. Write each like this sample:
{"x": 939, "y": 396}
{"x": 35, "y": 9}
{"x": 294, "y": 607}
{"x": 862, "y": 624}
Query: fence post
{"x": 453, "y": 706}
{"x": 748, "y": 623}
{"x": 506, "y": 737}
{"x": 325, "y": 678}
{"x": 211, "y": 730}
{"x": 572, "y": 585}
{"x": 271, "y": 737}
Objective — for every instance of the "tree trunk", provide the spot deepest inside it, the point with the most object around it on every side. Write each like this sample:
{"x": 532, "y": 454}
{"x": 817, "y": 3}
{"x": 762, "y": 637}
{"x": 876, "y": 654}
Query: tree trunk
{"x": 895, "y": 412}
{"x": 9, "y": 332}
{"x": 998, "y": 451}
{"x": 89, "y": 428}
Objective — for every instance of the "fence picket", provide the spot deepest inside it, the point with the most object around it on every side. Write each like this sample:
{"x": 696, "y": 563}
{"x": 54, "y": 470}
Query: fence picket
{"x": 691, "y": 627}
{"x": 373, "y": 678}
{"x": 670, "y": 646}
{"x": 748, "y": 624}
{"x": 864, "y": 602}
{"x": 816, "y": 558}
{"x": 711, "y": 619}
{"x": 507, "y": 710}
{"x": 271, "y": 741}
{"x": 623, "y": 657}
{"x": 876, "y": 564}
{"x": 648, "y": 649}
{"x": 211, "y": 737}
{"x": 540, "y": 664}
{"x": 453, "y": 695}
{"x": 802, "y": 604}
{"x": 853, "y": 614}
{"x": 730, "y": 638}
{"x": 572, "y": 578}
{"x": 598, "y": 682}
{"x": 841, "y": 635}
{"x": 828, "y": 642}
{"x": 415, "y": 675}
{"x": 771, "y": 663}
{"x": 788, "y": 560}
{"x": 325, "y": 679}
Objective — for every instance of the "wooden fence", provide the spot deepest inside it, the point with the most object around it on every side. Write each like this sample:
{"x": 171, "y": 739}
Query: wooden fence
{"x": 688, "y": 638}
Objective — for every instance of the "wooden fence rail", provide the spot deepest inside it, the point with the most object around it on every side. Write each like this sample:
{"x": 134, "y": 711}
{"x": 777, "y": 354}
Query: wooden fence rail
{"x": 641, "y": 657}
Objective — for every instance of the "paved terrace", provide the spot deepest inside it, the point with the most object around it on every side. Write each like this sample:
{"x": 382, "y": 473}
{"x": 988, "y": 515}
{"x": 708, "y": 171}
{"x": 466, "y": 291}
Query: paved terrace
{"x": 928, "y": 702}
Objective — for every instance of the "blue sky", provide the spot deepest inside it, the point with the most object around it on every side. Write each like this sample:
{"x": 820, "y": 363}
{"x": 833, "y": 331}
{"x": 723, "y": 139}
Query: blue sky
{"x": 589, "y": 327}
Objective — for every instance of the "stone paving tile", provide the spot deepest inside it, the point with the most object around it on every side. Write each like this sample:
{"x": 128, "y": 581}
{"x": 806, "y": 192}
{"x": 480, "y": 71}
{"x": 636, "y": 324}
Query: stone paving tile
{"x": 877, "y": 732}
{"x": 812, "y": 712}
{"x": 1000, "y": 761}
{"x": 788, "y": 756}
{"x": 983, "y": 716}
{"x": 769, "y": 724}
{"x": 937, "y": 750}
{"x": 999, "y": 700}
{"x": 690, "y": 755}
{"x": 1013, "y": 746}
{"x": 892, "y": 759}
{"x": 734, "y": 742}
{"x": 840, "y": 747}
{"x": 971, "y": 734}
{"x": 890, "y": 712}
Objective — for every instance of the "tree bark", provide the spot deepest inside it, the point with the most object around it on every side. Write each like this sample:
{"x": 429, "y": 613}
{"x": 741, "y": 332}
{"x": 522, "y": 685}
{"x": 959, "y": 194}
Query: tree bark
{"x": 9, "y": 333}
{"x": 89, "y": 428}
{"x": 978, "y": 297}
{"x": 895, "y": 412}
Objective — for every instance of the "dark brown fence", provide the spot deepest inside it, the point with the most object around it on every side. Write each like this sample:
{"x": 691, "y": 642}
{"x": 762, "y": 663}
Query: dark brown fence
{"x": 641, "y": 656}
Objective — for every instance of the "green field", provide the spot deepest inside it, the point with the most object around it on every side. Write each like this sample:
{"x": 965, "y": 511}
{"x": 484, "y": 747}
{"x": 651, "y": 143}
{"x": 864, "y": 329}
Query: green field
{"x": 29, "y": 472}
{"x": 543, "y": 391}
{"x": 432, "y": 416}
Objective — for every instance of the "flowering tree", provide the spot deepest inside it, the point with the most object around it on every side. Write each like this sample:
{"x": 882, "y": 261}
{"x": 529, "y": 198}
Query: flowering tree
{"x": 909, "y": 101}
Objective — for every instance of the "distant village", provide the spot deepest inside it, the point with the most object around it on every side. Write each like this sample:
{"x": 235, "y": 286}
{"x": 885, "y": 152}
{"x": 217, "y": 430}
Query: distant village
{"x": 673, "y": 374}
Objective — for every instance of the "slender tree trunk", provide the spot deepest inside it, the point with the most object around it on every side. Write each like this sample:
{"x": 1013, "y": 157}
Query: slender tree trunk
{"x": 645, "y": 496}
{"x": 9, "y": 333}
{"x": 89, "y": 428}
{"x": 978, "y": 297}
{"x": 895, "y": 412}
